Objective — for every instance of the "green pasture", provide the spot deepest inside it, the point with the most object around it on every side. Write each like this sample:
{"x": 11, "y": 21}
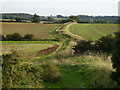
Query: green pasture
{"x": 93, "y": 31}
{"x": 81, "y": 72}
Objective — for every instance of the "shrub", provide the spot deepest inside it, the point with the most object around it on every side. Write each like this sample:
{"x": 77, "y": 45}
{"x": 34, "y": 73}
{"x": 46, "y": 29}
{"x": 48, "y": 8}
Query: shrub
{"x": 2, "y": 38}
{"x": 14, "y": 37}
{"x": 17, "y": 74}
{"x": 101, "y": 46}
{"x": 104, "y": 44}
{"x": 17, "y": 37}
{"x": 82, "y": 47}
{"x": 28, "y": 37}
{"x": 33, "y": 74}
{"x": 9, "y": 66}
{"x": 51, "y": 73}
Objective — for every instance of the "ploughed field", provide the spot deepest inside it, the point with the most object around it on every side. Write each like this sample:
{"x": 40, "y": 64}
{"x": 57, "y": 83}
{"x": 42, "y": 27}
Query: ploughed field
{"x": 93, "y": 31}
{"x": 40, "y": 31}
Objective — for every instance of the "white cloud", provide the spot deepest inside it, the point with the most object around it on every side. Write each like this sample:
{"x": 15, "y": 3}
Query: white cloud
{"x": 65, "y": 7}
{"x": 60, "y": 1}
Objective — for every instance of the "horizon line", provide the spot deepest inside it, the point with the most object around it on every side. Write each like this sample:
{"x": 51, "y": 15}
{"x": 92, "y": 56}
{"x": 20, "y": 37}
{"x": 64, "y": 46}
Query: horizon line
{"x": 56, "y": 14}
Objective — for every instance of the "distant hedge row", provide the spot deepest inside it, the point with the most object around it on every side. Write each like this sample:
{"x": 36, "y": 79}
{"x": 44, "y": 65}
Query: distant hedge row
{"x": 16, "y": 37}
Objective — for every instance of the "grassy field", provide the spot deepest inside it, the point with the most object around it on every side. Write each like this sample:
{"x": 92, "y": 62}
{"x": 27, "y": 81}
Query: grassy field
{"x": 41, "y": 31}
{"x": 93, "y": 31}
{"x": 81, "y": 72}
{"x": 27, "y": 48}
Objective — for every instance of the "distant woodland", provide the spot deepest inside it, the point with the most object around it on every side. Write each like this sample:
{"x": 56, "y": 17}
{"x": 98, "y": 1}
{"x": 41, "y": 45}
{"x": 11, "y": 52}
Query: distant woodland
{"x": 24, "y": 17}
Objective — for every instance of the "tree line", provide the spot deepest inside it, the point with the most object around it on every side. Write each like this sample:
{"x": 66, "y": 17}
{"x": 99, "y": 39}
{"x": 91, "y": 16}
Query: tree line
{"x": 60, "y": 18}
{"x": 17, "y": 37}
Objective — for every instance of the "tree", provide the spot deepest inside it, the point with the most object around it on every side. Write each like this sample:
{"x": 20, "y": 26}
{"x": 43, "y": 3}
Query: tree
{"x": 50, "y": 19}
{"x": 116, "y": 58}
{"x": 74, "y": 18}
{"x": 3, "y": 38}
{"x": 36, "y": 18}
{"x": 60, "y": 16}
{"x": 18, "y": 19}
{"x": 101, "y": 46}
{"x": 104, "y": 44}
{"x": 82, "y": 47}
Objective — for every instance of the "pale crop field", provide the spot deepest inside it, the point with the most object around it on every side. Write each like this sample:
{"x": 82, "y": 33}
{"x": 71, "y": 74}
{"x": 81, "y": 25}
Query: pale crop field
{"x": 25, "y": 48}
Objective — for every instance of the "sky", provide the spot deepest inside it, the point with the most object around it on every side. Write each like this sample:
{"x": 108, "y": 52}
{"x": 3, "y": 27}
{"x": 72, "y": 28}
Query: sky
{"x": 61, "y": 7}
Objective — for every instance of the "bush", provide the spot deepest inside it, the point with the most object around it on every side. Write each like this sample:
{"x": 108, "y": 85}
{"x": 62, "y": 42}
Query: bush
{"x": 82, "y": 47}
{"x": 14, "y": 37}
{"x": 28, "y": 37}
{"x": 17, "y": 74}
{"x": 101, "y": 46}
{"x": 104, "y": 44}
{"x": 51, "y": 73}
{"x": 9, "y": 67}
{"x": 17, "y": 37}
{"x": 2, "y": 38}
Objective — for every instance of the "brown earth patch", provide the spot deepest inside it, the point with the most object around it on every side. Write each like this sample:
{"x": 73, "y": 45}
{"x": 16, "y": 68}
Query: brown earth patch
{"x": 43, "y": 52}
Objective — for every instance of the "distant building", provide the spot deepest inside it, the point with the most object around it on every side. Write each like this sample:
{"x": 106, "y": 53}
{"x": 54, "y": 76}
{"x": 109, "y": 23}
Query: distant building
{"x": 7, "y": 20}
{"x": 26, "y": 21}
{"x": 13, "y": 20}
{"x": 46, "y": 22}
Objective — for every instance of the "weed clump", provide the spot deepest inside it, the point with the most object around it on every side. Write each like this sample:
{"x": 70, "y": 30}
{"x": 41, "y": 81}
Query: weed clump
{"x": 51, "y": 73}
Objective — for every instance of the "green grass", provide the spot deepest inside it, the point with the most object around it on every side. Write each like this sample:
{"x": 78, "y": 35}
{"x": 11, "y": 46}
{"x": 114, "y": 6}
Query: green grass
{"x": 26, "y": 48}
{"x": 82, "y": 72}
{"x": 93, "y": 31}
{"x": 30, "y": 42}
{"x": 76, "y": 72}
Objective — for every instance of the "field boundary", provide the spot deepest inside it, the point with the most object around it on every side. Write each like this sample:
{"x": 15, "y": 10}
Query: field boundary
{"x": 30, "y": 42}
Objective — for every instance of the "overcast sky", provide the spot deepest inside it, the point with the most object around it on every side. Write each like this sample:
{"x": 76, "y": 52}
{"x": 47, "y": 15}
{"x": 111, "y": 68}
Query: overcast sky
{"x": 62, "y": 7}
